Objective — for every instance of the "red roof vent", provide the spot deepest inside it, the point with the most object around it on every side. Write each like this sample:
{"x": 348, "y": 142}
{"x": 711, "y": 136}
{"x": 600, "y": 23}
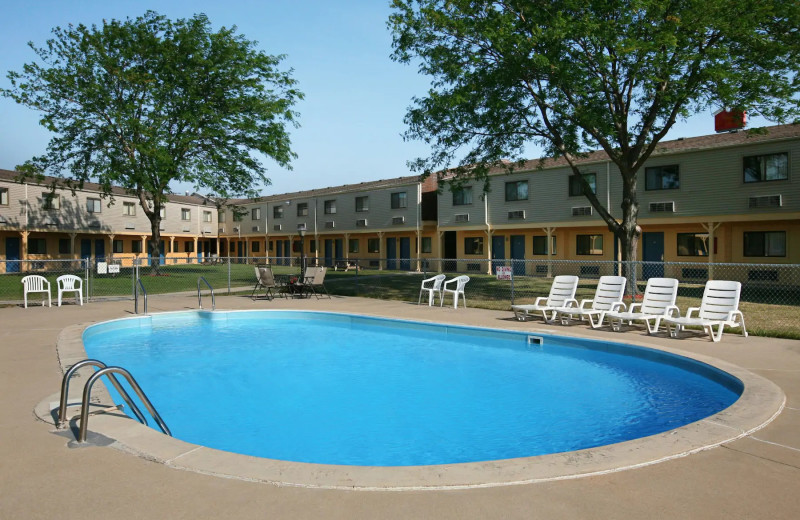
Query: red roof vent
{"x": 726, "y": 120}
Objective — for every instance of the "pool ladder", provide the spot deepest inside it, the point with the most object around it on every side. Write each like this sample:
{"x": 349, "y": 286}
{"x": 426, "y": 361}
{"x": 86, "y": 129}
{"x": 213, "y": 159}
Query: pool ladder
{"x": 87, "y": 393}
{"x": 200, "y": 296}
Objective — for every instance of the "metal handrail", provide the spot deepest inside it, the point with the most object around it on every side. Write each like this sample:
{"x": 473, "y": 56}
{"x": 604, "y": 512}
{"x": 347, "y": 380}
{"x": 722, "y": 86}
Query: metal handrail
{"x": 62, "y": 408}
{"x": 87, "y": 392}
{"x": 200, "y": 296}
{"x": 136, "y": 296}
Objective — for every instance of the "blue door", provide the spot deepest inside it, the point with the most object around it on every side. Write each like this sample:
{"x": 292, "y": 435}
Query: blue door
{"x": 278, "y": 250}
{"x": 653, "y": 255}
{"x": 86, "y": 248}
{"x": 498, "y": 252}
{"x": 405, "y": 254}
{"x": 328, "y": 252}
{"x": 100, "y": 250}
{"x": 391, "y": 253}
{"x": 12, "y": 254}
{"x": 518, "y": 253}
{"x": 338, "y": 247}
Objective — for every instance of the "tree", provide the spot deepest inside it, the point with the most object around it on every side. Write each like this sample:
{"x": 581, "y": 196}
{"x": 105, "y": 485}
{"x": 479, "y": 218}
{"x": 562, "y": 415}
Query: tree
{"x": 144, "y": 102}
{"x": 580, "y": 75}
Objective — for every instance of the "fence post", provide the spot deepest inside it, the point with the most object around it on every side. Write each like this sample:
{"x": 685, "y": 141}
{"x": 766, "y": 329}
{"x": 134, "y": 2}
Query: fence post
{"x": 512, "y": 282}
{"x": 229, "y": 276}
{"x": 358, "y": 267}
{"x": 86, "y": 270}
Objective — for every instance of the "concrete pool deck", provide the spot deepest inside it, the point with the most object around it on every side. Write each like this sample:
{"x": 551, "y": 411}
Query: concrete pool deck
{"x": 757, "y": 476}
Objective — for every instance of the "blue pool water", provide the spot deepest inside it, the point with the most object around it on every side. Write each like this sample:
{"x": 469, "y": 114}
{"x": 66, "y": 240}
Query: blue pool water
{"x": 339, "y": 389}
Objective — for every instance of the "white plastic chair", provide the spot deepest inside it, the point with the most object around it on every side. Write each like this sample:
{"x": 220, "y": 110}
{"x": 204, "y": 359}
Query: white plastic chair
{"x": 607, "y": 297}
{"x": 433, "y": 289}
{"x": 658, "y": 303}
{"x": 562, "y": 290}
{"x": 71, "y": 284}
{"x": 34, "y": 283}
{"x": 718, "y": 308}
{"x": 460, "y": 282}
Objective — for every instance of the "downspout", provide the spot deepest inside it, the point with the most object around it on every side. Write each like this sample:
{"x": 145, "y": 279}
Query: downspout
{"x": 488, "y": 233}
{"x": 419, "y": 225}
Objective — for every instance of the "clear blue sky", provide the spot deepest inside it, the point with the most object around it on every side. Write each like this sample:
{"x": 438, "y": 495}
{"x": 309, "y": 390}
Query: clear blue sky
{"x": 356, "y": 96}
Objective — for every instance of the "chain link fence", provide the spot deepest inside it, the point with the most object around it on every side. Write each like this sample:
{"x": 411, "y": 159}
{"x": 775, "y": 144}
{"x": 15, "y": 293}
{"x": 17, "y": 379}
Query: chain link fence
{"x": 769, "y": 300}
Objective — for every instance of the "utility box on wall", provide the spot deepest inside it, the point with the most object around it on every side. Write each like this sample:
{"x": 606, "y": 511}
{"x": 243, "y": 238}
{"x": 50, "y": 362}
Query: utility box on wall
{"x": 726, "y": 120}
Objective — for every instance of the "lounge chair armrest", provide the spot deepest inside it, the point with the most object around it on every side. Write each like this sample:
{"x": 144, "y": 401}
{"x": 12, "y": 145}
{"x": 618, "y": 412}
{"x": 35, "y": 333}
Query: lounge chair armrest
{"x": 570, "y": 302}
{"x": 616, "y": 306}
{"x": 733, "y": 314}
{"x": 691, "y": 310}
{"x": 584, "y": 303}
{"x": 634, "y": 306}
{"x": 672, "y": 309}
{"x": 448, "y": 282}
{"x": 540, "y": 299}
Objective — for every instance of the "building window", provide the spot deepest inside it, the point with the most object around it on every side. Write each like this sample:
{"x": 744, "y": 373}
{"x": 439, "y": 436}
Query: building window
{"x": 255, "y": 247}
{"x": 255, "y": 214}
{"x": 517, "y": 190}
{"x": 373, "y": 245}
{"x": 221, "y": 217}
{"x": 302, "y": 209}
{"x": 362, "y": 204}
{"x": 186, "y": 214}
{"x": 589, "y": 245}
{"x": 37, "y": 246}
{"x": 51, "y": 201}
{"x": 129, "y": 209}
{"x": 692, "y": 244}
{"x": 770, "y": 167}
{"x": 188, "y": 247}
{"x": 765, "y": 243}
{"x": 277, "y": 211}
{"x": 206, "y": 216}
{"x": 136, "y": 246}
{"x": 576, "y": 186}
{"x": 329, "y": 207}
{"x": 473, "y": 246}
{"x": 427, "y": 245}
{"x": 662, "y": 177}
{"x": 3, "y": 196}
{"x": 352, "y": 246}
{"x": 540, "y": 245}
{"x": 116, "y": 246}
{"x": 312, "y": 246}
{"x": 238, "y": 215}
{"x": 462, "y": 196}
{"x": 399, "y": 200}
{"x": 64, "y": 246}
{"x": 93, "y": 205}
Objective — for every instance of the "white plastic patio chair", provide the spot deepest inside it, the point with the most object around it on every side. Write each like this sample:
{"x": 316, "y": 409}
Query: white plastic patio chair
{"x": 460, "y": 282}
{"x": 607, "y": 297}
{"x": 562, "y": 290}
{"x": 657, "y": 303}
{"x": 34, "y": 283}
{"x": 433, "y": 289}
{"x": 70, "y": 283}
{"x": 718, "y": 308}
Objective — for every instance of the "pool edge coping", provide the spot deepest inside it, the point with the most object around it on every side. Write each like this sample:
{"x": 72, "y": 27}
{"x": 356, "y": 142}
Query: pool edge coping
{"x": 760, "y": 403}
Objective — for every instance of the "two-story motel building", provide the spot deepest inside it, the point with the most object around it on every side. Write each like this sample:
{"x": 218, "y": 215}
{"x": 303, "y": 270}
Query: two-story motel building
{"x": 731, "y": 197}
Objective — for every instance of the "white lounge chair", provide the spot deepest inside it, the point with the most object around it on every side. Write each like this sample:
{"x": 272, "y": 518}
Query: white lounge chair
{"x": 460, "y": 282}
{"x": 607, "y": 297}
{"x": 69, "y": 283}
{"x": 34, "y": 283}
{"x": 562, "y": 289}
{"x": 658, "y": 303}
{"x": 265, "y": 280}
{"x": 718, "y": 308}
{"x": 433, "y": 289}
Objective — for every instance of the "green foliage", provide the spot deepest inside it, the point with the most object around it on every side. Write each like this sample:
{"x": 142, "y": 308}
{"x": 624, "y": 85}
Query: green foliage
{"x": 143, "y": 102}
{"x": 578, "y": 75}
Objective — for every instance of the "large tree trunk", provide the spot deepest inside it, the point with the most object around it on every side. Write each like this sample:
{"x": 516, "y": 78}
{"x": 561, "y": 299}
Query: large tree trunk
{"x": 155, "y": 242}
{"x": 629, "y": 231}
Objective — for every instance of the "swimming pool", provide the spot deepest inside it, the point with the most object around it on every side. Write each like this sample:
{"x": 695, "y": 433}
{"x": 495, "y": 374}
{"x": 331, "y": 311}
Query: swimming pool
{"x": 340, "y": 389}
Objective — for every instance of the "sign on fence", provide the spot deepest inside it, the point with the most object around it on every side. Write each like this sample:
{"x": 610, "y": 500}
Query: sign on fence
{"x": 503, "y": 272}
{"x": 102, "y": 267}
{"x": 113, "y": 268}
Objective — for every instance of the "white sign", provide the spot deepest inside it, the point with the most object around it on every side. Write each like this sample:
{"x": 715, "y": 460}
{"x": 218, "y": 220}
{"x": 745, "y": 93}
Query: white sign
{"x": 102, "y": 267}
{"x": 503, "y": 273}
{"x": 113, "y": 268}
